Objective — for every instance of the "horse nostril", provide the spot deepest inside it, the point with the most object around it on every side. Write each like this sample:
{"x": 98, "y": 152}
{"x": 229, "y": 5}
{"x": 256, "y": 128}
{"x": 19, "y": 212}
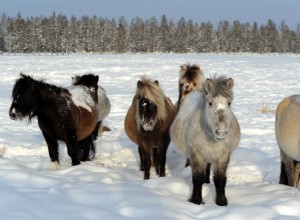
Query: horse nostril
{"x": 221, "y": 132}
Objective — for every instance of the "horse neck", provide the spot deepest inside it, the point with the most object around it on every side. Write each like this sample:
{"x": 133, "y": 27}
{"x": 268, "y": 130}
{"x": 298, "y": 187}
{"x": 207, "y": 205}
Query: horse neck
{"x": 47, "y": 92}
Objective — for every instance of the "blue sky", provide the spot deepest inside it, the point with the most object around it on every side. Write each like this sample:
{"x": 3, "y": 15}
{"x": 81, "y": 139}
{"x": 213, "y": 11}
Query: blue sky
{"x": 197, "y": 10}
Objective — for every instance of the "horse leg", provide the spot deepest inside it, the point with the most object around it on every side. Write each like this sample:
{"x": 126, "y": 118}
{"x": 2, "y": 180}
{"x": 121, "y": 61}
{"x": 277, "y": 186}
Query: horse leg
{"x": 142, "y": 156}
{"x": 163, "y": 158}
{"x": 86, "y": 148}
{"x": 287, "y": 170}
{"x": 53, "y": 151}
{"x": 97, "y": 131}
{"x": 208, "y": 166}
{"x": 283, "y": 179}
{"x": 198, "y": 177}
{"x": 296, "y": 173}
{"x": 187, "y": 163}
{"x": 146, "y": 162}
{"x": 220, "y": 179}
{"x": 73, "y": 150}
{"x": 155, "y": 156}
{"x": 163, "y": 148}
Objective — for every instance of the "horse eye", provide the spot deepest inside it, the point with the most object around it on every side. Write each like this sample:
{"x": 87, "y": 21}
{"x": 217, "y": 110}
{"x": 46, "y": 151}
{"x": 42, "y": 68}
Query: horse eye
{"x": 194, "y": 84}
{"x": 229, "y": 103}
{"x": 210, "y": 103}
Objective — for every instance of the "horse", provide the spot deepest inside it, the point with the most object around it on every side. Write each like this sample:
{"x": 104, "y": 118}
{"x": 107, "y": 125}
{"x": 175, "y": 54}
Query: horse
{"x": 102, "y": 103}
{"x": 87, "y": 146}
{"x": 69, "y": 115}
{"x": 147, "y": 124}
{"x": 287, "y": 128}
{"x": 191, "y": 78}
{"x": 206, "y": 131}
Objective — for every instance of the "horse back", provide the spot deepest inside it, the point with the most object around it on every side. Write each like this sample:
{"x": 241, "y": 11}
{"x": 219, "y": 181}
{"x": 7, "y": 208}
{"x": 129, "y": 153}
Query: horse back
{"x": 287, "y": 126}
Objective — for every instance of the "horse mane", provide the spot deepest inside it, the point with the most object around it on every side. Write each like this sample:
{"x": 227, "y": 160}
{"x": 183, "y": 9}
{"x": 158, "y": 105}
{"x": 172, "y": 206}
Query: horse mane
{"x": 191, "y": 72}
{"x": 88, "y": 79}
{"x": 29, "y": 87}
{"x": 220, "y": 87}
{"x": 37, "y": 83}
{"x": 150, "y": 89}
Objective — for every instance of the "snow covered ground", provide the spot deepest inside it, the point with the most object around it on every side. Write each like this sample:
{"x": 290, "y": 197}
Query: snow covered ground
{"x": 111, "y": 186}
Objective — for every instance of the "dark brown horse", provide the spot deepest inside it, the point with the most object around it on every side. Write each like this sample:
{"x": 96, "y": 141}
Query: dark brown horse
{"x": 63, "y": 114}
{"x": 147, "y": 124}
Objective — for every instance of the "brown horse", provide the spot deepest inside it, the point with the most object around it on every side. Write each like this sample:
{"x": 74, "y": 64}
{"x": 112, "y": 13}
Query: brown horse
{"x": 287, "y": 126}
{"x": 147, "y": 124}
{"x": 191, "y": 78}
{"x": 63, "y": 114}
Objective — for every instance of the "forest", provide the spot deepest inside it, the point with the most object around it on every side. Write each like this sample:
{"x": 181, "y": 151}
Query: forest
{"x": 60, "y": 34}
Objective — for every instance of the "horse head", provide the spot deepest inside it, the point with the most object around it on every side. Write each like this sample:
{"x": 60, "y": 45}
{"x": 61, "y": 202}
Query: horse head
{"x": 90, "y": 81}
{"x": 150, "y": 104}
{"x": 147, "y": 112}
{"x": 219, "y": 95}
{"x": 24, "y": 97}
{"x": 190, "y": 79}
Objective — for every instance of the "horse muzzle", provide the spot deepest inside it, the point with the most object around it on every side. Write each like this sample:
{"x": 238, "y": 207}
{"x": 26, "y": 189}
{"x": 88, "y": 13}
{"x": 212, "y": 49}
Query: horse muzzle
{"x": 148, "y": 126}
{"x": 14, "y": 115}
{"x": 221, "y": 133}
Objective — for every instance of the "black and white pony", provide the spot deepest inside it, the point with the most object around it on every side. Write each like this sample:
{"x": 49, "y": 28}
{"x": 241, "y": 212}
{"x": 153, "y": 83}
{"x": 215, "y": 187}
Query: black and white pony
{"x": 87, "y": 145}
{"x": 63, "y": 114}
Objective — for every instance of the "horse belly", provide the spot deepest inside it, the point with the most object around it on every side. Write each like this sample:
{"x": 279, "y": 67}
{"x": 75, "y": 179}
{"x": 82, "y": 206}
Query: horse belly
{"x": 207, "y": 150}
{"x": 287, "y": 128}
{"x": 130, "y": 125}
{"x": 103, "y": 106}
{"x": 86, "y": 123}
{"x": 185, "y": 118}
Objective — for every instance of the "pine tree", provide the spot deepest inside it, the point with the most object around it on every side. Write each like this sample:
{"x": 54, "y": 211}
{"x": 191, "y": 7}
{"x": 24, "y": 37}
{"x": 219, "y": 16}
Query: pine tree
{"x": 121, "y": 38}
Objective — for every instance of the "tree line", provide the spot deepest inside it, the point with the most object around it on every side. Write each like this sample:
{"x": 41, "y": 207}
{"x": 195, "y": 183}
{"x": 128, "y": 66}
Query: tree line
{"x": 60, "y": 34}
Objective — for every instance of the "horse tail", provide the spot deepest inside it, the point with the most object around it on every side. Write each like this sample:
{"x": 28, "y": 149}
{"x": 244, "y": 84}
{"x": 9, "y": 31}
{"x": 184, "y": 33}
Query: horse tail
{"x": 87, "y": 150}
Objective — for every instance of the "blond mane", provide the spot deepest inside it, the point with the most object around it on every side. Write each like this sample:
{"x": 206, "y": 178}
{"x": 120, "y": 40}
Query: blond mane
{"x": 150, "y": 89}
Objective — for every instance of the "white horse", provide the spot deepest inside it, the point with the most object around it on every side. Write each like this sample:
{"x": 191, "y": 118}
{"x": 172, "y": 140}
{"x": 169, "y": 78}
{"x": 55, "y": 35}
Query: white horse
{"x": 287, "y": 127}
{"x": 206, "y": 131}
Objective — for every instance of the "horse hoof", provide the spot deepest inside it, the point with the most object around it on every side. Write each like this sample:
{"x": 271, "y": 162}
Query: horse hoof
{"x": 54, "y": 166}
{"x": 74, "y": 163}
{"x": 222, "y": 201}
{"x": 196, "y": 201}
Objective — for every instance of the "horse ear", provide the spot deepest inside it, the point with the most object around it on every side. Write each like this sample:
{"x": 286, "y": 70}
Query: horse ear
{"x": 208, "y": 85}
{"x": 229, "y": 83}
{"x": 97, "y": 78}
{"x": 30, "y": 81}
{"x": 139, "y": 83}
{"x": 156, "y": 82}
